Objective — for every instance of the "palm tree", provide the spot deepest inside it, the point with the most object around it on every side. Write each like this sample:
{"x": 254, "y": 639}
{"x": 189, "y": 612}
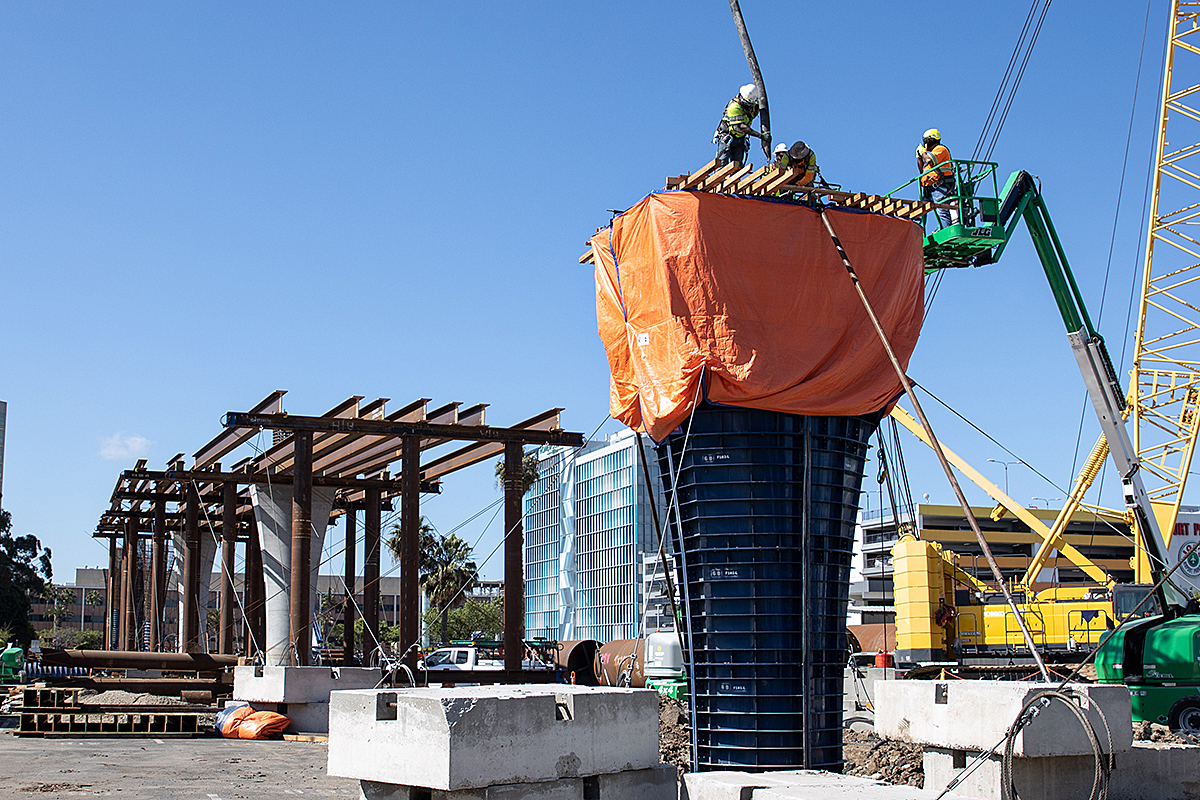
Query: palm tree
{"x": 447, "y": 571}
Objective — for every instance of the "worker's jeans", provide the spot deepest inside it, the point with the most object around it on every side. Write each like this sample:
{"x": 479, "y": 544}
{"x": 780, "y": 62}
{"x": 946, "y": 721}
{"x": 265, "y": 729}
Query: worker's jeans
{"x": 730, "y": 148}
{"x": 942, "y": 192}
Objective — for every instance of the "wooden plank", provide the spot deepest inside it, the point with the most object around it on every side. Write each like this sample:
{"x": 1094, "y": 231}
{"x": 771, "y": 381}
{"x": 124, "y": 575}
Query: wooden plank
{"x": 699, "y": 175}
{"x": 588, "y": 258}
{"x": 305, "y": 737}
{"x": 674, "y": 181}
{"x": 787, "y": 176}
{"x": 729, "y": 183}
{"x": 715, "y": 178}
{"x": 745, "y": 184}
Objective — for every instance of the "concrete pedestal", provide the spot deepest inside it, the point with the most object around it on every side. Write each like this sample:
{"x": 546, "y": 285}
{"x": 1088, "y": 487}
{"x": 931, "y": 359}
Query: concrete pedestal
{"x": 208, "y": 556}
{"x": 299, "y": 693}
{"x": 273, "y": 514}
{"x": 483, "y": 736}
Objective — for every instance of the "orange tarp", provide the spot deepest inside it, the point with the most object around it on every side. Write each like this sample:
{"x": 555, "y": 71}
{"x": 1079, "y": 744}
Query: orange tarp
{"x": 752, "y": 294}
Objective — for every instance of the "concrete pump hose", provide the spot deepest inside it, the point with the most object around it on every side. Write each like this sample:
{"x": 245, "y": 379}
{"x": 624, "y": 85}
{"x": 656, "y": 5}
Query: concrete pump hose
{"x": 1037, "y": 703}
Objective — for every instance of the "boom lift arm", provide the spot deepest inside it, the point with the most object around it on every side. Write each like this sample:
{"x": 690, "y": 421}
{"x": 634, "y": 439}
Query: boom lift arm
{"x": 964, "y": 243}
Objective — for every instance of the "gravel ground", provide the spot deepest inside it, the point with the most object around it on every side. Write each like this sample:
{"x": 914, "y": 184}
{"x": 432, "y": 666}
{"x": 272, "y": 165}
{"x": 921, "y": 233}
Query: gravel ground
{"x": 168, "y": 769}
{"x": 117, "y": 697}
{"x": 674, "y": 740}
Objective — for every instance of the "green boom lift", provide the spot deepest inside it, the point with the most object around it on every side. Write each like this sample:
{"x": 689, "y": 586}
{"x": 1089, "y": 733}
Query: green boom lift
{"x": 1157, "y": 657}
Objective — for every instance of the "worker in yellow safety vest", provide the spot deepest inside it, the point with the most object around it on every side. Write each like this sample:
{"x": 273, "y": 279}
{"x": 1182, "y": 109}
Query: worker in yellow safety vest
{"x": 937, "y": 174}
{"x": 731, "y": 134}
{"x": 798, "y": 155}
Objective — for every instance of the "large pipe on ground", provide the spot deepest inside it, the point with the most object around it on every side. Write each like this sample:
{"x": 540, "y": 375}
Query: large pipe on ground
{"x": 126, "y": 659}
{"x": 577, "y": 660}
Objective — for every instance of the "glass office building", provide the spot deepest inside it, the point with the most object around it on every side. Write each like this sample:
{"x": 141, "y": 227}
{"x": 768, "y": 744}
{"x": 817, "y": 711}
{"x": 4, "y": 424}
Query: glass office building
{"x": 588, "y": 523}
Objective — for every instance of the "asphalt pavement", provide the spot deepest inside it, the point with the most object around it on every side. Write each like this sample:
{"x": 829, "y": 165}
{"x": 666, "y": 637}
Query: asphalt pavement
{"x": 166, "y": 769}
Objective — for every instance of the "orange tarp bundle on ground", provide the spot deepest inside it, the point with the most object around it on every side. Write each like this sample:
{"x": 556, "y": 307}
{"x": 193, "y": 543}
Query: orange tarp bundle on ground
{"x": 752, "y": 294}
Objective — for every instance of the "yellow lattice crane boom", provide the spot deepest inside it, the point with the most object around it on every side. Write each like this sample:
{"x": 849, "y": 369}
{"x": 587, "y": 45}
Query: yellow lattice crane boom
{"x": 1165, "y": 380}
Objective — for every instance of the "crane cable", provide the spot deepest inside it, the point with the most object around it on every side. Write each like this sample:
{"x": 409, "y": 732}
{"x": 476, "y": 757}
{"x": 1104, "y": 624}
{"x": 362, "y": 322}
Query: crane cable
{"x": 1007, "y": 91}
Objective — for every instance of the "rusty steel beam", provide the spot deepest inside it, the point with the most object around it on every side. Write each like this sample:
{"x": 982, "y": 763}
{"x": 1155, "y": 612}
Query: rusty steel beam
{"x": 514, "y": 572}
{"x": 118, "y": 659}
{"x": 158, "y": 577}
{"x": 370, "y": 610}
{"x": 410, "y": 549}
{"x": 229, "y": 440}
{"x": 111, "y": 584}
{"x": 300, "y": 579}
{"x": 189, "y": 623}
{"x": 480, "y": 433}
{"x": 254, "y": 621}
{"x": 124, "y": 601}
{"x": 226, "y": 601}
{"x": 348, "y": 604}
{"x": 244, "y": 478}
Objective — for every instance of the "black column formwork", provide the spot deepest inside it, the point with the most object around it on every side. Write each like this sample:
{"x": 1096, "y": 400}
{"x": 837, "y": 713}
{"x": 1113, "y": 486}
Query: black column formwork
{"x": 766, "y": 508}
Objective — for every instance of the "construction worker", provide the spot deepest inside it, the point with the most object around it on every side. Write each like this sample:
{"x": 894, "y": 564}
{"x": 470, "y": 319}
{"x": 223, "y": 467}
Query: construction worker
{"x": 937, "y": 174}
{"x": 731, "y": 134}
{"x": 798, "y": 155}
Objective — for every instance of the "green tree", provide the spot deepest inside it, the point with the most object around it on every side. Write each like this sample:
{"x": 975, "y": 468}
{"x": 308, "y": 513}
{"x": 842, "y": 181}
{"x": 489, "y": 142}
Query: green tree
{"x": 71, "y": 639}
{"x": 61, "y": 600}
{"x": 530, "y": 464}
{"x": 24, "y": 570}
{"x": 474, "y": 619}
{"x": 446, "y": 568}
{"x": 93, "y": 598}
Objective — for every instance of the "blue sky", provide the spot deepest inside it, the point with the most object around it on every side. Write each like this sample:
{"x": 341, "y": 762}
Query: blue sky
{"x": 205, "y": 203}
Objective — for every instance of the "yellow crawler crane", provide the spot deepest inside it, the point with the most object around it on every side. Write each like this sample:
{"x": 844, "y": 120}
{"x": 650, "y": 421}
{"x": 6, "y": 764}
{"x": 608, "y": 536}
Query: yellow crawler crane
{"x": 1163, "y": 401}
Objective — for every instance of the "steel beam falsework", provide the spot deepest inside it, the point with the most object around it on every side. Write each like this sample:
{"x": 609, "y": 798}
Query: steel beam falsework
{"x": 254, "y": 622}
{"x": 514, "y": 571}
{"x": 410, "y": 549}
{"x": 189, "y": 632}
{"x": 226, "y": 600}
{"x": 348, "y": 604}
{"x": 300, "y": 579}
{"x": 112, "y": 585}
{"x": 370, "y": 609}
{"x": 158, "y": 575}
{"x": 478, "y": 433}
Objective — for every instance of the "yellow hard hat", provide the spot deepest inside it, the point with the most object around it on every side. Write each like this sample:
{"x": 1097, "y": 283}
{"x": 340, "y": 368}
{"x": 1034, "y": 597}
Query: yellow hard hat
{"x": 933, "y": 133}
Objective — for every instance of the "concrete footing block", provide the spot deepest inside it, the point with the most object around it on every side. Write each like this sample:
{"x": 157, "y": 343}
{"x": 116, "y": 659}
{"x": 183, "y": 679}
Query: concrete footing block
{"x": 1148, "y": 771}
{"x": 796, "y": 785}
{"x": 484, "y": 736}
{"x": 569, "y": 789}
{"x": 304, "y": 717}
{"x": 299, "y": 684}
{"x": 657, "y": 783}
{"x": 974, "y": 715}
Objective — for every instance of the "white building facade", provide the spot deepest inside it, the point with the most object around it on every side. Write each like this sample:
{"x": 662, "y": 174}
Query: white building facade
{"x": 588, "y": 526}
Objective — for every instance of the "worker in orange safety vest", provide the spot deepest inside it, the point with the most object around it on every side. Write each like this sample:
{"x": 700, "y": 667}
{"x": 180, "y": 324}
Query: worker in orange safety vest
{"x": 798, "y": 155}
{"x": 937, "y": 174}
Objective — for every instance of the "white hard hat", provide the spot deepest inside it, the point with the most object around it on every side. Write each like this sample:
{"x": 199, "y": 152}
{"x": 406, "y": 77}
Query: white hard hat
{"x": 780, "y": 148}
{"x": 749, "y": 93}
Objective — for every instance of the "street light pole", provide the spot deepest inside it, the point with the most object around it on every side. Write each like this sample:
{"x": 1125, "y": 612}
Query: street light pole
{"x": 1048, "y": 500}
{"x": 1005, "y": 465}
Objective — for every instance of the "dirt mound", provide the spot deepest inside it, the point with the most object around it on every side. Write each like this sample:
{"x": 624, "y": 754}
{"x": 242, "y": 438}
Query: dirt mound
{"x": 1147, "y": 731}
{"x": 674, "y": 733}
{"x": 886, "y": 759}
